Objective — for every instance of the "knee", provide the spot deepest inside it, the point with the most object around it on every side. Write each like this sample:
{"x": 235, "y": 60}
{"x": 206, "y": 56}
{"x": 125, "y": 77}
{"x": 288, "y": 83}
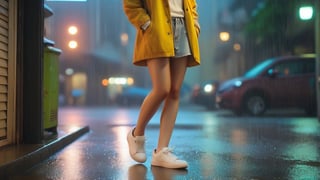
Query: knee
{"x": 174, "y": 93}
{"x": 163, "y": 92}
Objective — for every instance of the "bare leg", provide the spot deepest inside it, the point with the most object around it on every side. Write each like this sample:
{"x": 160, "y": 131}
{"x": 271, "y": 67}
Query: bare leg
{"x": 169, "y": 113}
{"x": 159, "y": 70}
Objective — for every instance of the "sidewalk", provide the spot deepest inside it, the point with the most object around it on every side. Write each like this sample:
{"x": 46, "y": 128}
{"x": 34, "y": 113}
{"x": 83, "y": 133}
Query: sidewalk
{"x": 20, "y": 157}
{"x": 219, "y": 145}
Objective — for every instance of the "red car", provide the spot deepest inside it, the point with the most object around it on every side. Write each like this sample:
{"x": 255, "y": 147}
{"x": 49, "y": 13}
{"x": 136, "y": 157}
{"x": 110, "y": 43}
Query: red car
{"x": 280, "y": 82}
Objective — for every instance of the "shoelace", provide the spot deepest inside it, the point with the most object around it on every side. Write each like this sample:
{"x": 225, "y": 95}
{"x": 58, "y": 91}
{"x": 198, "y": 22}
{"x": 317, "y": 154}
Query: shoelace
{"x": 169, "y": 152}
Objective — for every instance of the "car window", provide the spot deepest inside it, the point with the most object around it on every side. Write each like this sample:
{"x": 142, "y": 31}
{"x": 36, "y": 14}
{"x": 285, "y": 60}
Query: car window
{"x": 256, "y": 70}
{"x": 292, "y": 68}
{"x": 309, "y": 67}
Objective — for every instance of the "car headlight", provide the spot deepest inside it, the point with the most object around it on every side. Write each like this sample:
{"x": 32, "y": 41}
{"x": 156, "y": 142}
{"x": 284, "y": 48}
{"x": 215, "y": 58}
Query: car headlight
{"x": 237, "y": 83}
{"x": 209, "y": 88}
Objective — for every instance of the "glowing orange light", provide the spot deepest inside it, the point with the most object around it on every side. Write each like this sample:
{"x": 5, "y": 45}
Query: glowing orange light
{"x": 104, "y": 82}
{"x": 130, "y": 81}
{"x": 237, "y": 47}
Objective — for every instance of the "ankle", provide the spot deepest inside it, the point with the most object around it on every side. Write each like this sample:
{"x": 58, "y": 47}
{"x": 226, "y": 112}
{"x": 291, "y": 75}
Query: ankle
{"x": 136, "y": 133}
{"x": 133, "y": 132}
{"x": 158, "y": 149}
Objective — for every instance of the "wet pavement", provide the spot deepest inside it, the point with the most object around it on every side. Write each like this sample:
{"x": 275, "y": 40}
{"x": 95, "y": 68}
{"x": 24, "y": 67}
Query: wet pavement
{"x": 216, "y": 144}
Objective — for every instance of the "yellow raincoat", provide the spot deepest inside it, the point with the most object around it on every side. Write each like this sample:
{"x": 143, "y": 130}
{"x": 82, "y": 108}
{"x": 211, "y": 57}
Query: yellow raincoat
{"x": 157, "y": 40}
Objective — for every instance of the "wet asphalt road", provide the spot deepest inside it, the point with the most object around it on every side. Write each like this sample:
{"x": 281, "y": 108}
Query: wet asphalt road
{"x": 216, "y": 144}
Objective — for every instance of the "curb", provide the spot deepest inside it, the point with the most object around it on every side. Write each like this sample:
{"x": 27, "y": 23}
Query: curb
{"x": 41, "y": 154}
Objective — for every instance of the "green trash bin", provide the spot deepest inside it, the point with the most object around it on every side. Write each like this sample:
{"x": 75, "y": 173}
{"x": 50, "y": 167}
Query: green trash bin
{"x": 51, "y": 88}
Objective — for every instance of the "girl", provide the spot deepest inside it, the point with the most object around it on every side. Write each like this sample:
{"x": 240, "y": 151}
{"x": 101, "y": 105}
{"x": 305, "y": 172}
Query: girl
{"x": 167, "y": 43}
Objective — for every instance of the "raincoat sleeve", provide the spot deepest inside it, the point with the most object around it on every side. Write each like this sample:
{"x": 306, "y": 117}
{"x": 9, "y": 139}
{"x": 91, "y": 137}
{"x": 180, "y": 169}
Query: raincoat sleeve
{"x": 136, "y": 13}
{"x": 195, "y": 15}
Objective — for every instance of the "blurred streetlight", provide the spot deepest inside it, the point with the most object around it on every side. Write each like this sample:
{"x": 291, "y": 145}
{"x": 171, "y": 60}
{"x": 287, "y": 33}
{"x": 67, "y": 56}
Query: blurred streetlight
{"x": 69, "y": 71}
{"x": 124, "y": 39}
{"x": 306, "y": 12}
{"x": 73, "y": 44}
{"x": 121, "y": 81}
{"x": 224, "y": 36}
{"x": 73, "y": 30}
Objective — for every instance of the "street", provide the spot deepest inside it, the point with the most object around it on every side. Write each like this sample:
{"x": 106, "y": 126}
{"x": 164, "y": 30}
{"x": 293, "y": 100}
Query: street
{"x": 216, "y": 144}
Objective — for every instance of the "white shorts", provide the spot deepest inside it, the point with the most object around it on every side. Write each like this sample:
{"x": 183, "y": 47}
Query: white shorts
{"x": 181, "y": 43}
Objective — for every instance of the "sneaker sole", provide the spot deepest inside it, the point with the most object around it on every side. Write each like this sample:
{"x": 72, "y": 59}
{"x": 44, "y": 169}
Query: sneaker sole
{"x": 167, "y": 165}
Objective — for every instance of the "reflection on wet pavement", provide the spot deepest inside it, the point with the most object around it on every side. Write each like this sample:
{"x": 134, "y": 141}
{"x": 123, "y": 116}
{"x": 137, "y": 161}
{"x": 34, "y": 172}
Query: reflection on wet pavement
{"x": 137, "y": 172}
{"x": 215, "y": 146}
{"x": 160, "y": 173}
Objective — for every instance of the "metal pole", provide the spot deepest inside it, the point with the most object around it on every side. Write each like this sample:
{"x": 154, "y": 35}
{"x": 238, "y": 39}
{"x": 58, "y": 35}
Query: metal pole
{"x": 317, "y": 51}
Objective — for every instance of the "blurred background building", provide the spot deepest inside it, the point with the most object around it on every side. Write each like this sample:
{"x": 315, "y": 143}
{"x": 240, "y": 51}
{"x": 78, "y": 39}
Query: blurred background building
{"x": 97, "y": 43}
{"x": 235, "y": 35}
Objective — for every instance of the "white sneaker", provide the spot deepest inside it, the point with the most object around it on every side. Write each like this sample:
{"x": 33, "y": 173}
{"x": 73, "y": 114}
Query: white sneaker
{"x": 165, "y": 158}
{"x": 136, "y": 147}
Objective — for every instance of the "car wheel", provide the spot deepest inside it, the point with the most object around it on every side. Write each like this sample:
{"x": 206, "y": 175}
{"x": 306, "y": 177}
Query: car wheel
{"x": 255, "y": 104}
